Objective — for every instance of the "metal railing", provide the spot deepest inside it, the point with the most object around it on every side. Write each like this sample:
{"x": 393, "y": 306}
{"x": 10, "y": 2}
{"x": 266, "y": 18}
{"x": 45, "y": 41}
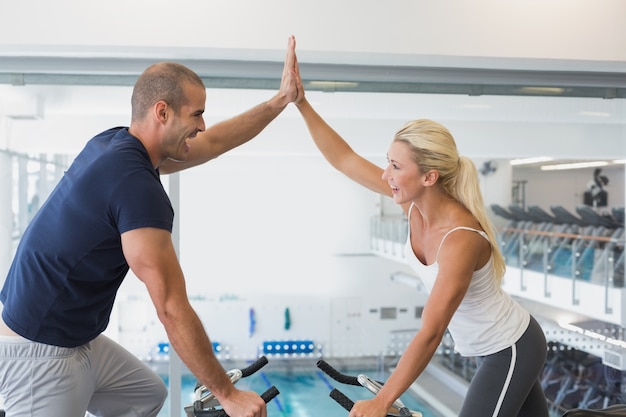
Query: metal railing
{"x": 596, "y": 256}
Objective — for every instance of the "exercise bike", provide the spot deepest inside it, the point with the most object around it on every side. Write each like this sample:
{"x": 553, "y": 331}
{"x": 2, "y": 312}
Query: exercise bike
{"x": 206, "y": 405}
{"x": 400, "y": 410}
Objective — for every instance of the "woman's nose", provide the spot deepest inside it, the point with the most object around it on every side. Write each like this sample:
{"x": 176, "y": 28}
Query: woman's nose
{"x": 385, "y": 174}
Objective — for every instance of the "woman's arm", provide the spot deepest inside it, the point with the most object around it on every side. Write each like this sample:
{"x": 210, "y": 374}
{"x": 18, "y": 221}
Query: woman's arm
{"x": 339, "y": 154}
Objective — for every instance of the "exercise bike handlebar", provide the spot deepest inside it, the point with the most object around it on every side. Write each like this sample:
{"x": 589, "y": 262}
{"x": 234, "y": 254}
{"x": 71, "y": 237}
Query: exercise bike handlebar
{"x": 336, "y": 375}
{"x": 339, "y": 377}
{"x": 346, "y": 402}
{"x": 267, "y": 397}
{"x": 362, "y": 381}
{"x": 253, "y": 367}
{"x": 205, "y": 405}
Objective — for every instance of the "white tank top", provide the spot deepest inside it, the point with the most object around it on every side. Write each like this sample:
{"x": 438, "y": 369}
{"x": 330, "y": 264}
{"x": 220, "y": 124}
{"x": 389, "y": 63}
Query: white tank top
{"x": 488, "y": 320}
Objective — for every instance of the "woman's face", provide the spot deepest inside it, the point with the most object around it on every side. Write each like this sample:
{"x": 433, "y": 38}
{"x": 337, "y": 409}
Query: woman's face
{"x": 402, "y": 173}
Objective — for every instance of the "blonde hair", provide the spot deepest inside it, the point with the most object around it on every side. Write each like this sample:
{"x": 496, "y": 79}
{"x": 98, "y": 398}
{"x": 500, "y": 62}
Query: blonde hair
{"x": 434, "y": 148}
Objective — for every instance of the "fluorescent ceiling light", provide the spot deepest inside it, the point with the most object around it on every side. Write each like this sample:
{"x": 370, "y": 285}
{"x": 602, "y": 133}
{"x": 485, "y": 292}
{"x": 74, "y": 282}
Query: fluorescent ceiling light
{"x": 595, "y": 114}
{"x": 542, "y": 90}
{"x": 524, "y": 161}
{"x": 619, "y": 161}
{"x": 333, "y": 84}
{"x": 574, "y": 165}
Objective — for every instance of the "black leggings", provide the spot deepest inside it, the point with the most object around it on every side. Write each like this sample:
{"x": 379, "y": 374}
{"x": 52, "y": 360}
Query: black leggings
{"x": 506, "y": 383}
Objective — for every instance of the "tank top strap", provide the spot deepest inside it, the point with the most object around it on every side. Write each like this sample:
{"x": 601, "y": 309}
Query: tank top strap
{"x": 408, "y": 216}
{"x": 454, "y": 229}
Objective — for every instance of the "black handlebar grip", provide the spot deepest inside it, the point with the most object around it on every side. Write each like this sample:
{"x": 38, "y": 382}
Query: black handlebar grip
{"x": 346, "y": 402}
{"x": 210, "y": 413}
{"x": 341, "y": 399}
{"x": 336, "y": 375}
{"x": 253, "y": 367}
{"x": 270, "y": 393}
{"x": 267, "y": 397}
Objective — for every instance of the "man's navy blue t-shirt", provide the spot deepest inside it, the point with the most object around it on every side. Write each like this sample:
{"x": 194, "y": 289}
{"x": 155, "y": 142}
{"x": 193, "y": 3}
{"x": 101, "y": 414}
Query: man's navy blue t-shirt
{"x": 69, "y": 263}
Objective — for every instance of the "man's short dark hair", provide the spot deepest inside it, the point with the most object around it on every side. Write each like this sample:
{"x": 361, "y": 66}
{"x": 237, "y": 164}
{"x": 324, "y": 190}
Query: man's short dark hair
{"x": 163, "y": 81}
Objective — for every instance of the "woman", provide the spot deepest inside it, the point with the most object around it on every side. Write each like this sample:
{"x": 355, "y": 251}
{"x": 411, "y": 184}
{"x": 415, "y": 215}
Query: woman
{"x": 452, "y": 246}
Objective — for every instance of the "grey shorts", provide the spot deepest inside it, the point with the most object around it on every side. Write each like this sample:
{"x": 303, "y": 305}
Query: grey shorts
{"x": 100, "y": 377}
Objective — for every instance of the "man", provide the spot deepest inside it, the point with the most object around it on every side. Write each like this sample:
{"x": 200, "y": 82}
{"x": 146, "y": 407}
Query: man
{"x": 110, "y": 213}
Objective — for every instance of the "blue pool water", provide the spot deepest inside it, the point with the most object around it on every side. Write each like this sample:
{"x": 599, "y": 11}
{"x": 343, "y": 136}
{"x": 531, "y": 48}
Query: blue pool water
{"x": 303, "y": 392}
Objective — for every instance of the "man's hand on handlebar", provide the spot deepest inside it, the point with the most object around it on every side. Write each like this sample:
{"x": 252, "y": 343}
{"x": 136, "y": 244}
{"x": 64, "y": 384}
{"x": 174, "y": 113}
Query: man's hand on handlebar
{"x": 244, "y": 404}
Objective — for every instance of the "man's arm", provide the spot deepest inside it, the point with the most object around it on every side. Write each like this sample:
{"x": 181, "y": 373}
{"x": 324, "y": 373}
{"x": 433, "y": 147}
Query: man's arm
{"x": 238, "y": 130}
{"x": 151, "y": 256}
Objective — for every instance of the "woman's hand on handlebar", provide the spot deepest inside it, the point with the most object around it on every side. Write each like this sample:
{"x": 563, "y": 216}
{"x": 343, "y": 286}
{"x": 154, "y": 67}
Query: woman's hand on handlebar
{"x": 244, "y": 404}
{"x": 369, "y": 408}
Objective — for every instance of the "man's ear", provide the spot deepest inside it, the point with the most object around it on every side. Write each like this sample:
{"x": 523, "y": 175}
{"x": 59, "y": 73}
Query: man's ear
{"x": 161, "y": 111}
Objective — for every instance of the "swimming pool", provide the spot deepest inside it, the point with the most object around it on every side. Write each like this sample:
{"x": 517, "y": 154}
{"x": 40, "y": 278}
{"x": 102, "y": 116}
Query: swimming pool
{"x": 304, "y": 391}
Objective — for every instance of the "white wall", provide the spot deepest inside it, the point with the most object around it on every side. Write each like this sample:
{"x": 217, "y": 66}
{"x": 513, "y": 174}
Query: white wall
{"x": 399, "y": 31}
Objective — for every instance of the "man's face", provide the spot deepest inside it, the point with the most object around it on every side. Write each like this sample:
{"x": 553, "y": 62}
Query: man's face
{"x": 185, "y": 124}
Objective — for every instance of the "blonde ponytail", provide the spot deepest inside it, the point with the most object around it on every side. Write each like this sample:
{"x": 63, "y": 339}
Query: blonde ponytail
{"x": 467, "y": 192}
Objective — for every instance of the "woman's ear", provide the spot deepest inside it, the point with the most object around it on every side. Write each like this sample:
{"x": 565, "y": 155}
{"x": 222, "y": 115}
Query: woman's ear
{"x": 431, "y": 177}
